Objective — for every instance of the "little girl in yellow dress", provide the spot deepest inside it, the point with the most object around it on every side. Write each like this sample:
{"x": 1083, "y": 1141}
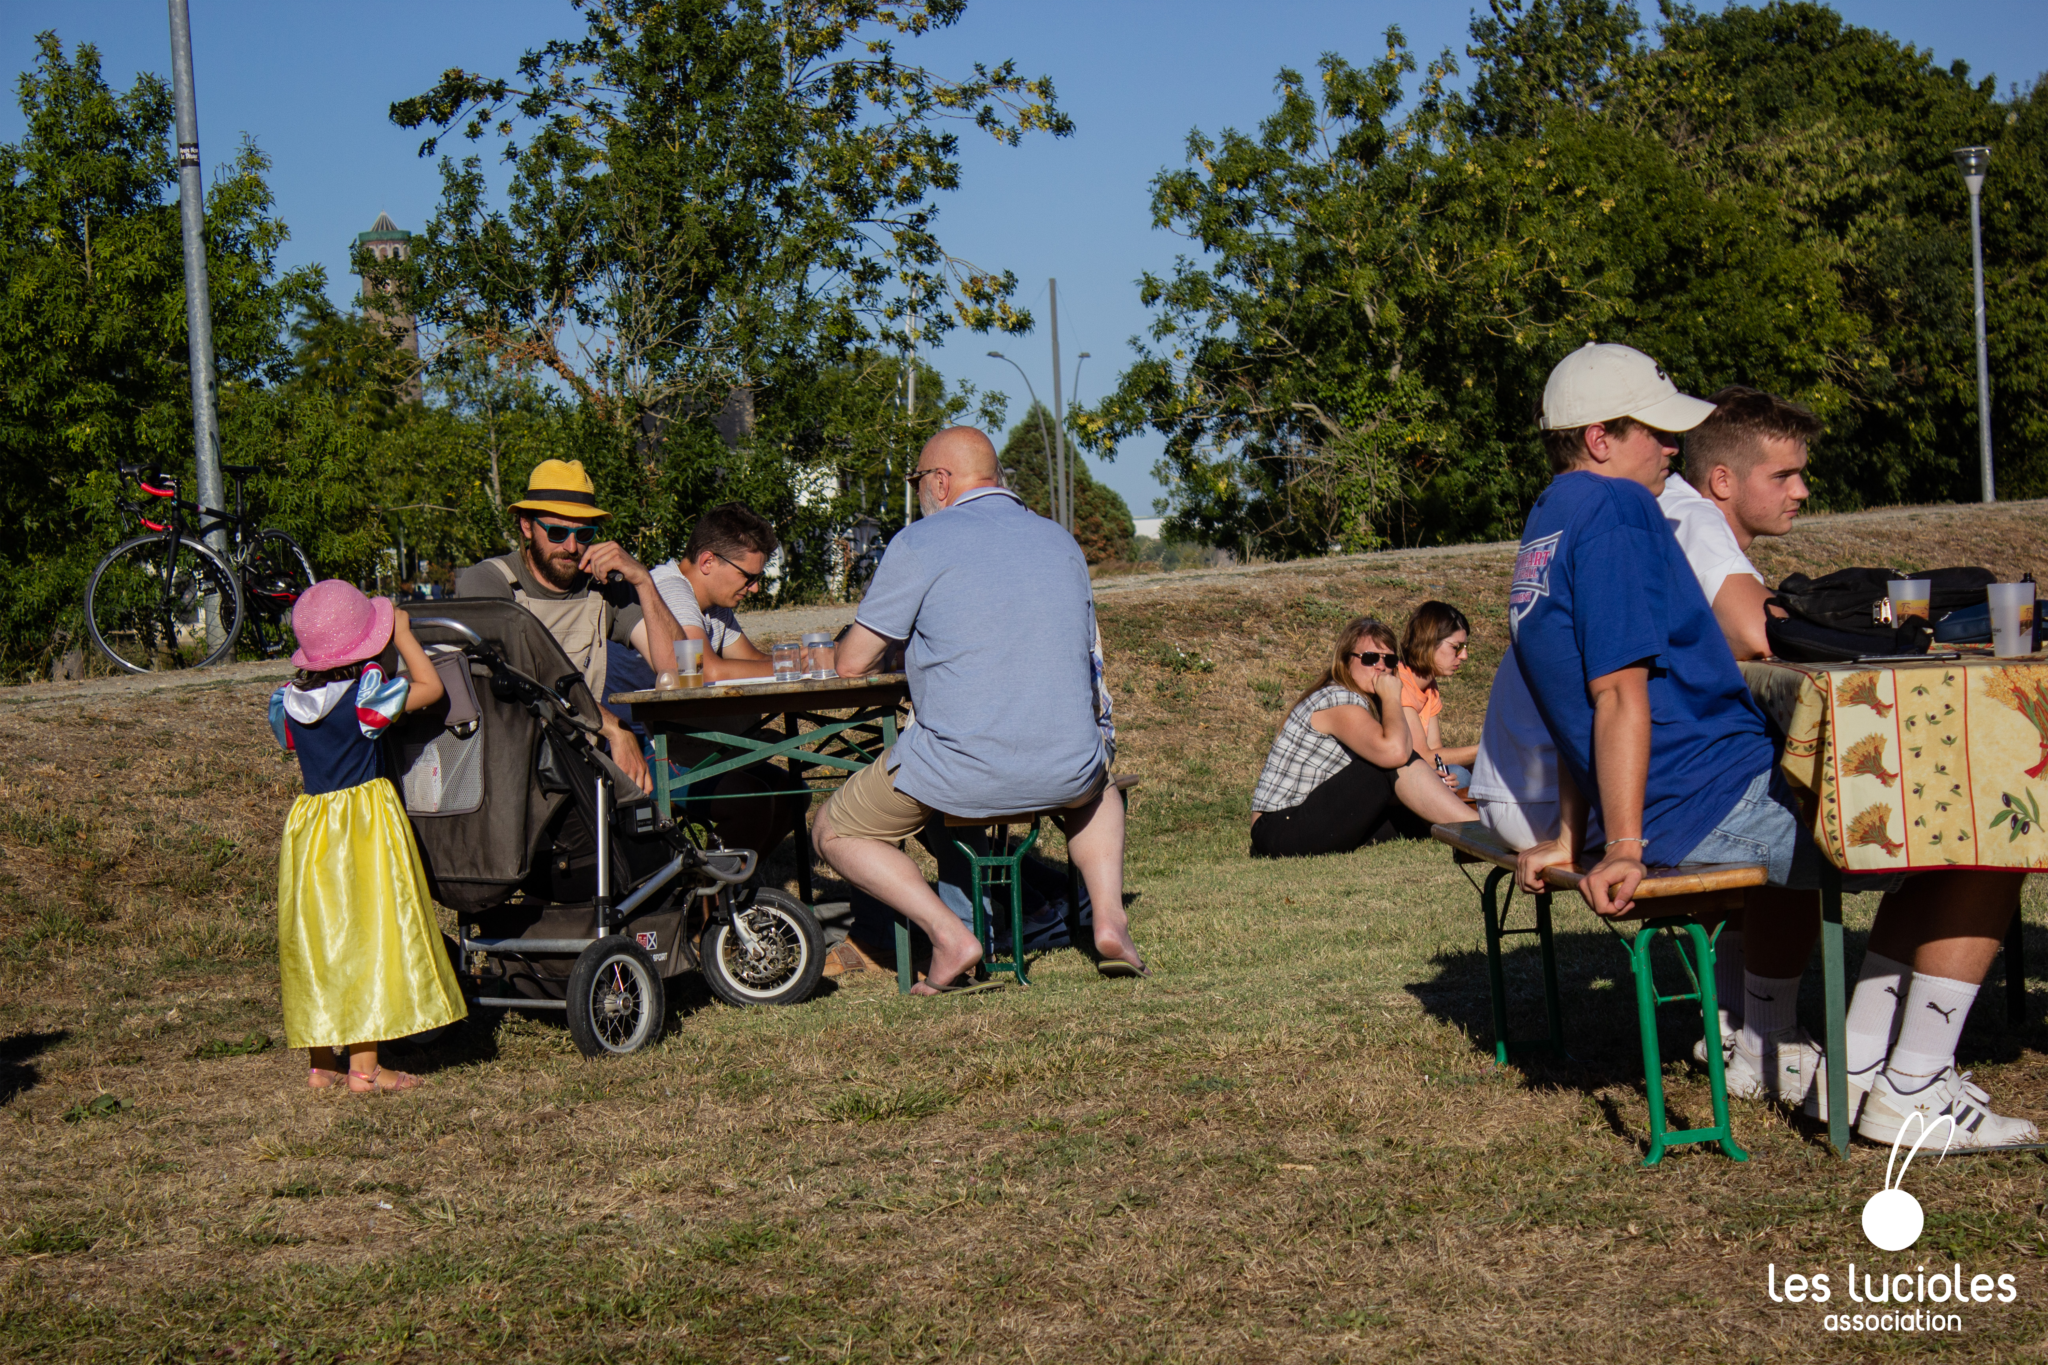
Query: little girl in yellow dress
{"x": 359, "y": 954}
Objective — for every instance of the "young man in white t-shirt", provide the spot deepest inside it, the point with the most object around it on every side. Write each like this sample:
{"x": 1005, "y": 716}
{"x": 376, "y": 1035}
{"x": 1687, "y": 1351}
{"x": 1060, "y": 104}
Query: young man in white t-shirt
{"x": 722, "y": 563}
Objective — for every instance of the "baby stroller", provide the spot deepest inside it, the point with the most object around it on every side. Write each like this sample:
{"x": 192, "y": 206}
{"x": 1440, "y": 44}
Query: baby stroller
{"x": 572, "y": 890}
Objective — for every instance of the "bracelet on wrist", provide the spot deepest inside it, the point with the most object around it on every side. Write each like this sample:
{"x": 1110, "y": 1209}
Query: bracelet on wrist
{"x": 1612, "y": 842}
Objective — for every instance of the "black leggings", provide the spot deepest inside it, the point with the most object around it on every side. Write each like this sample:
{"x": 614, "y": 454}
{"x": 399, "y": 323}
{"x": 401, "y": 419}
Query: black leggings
{"x": 1354, "y": 807}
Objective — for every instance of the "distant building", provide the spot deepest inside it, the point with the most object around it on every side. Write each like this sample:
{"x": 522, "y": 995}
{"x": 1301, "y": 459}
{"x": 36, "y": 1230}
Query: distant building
{"x": 386, "y": 240}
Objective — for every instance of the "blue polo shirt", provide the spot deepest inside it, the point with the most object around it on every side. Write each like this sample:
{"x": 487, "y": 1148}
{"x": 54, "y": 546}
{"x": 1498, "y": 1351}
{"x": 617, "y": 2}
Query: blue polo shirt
{"x": 993, "y": 604}
{"x": 1600, "y": 584}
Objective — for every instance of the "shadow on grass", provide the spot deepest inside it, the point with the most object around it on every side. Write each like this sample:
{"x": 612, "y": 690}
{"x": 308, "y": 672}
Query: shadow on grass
{"x": 1597, "y": 997}
{"x": 16, "y": 1050}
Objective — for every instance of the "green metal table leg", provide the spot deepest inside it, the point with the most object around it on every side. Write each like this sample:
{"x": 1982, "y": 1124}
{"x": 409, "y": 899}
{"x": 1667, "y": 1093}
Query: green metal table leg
{"x": 906, "y": 975}
{"x": 1646, "y": 1026}
{"x": 1496, "y": 977}
{"x": 1710, "y": 1019}
{"x": 1837, "y": 1007}
{"x": 1553, "y": 1011}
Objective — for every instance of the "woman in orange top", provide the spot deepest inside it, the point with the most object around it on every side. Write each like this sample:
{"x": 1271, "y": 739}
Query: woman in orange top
{"x": 1432, "y": 647}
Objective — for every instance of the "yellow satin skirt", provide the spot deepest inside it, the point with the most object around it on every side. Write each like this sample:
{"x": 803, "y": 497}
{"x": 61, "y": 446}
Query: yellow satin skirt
{"x": 359, "y": 953}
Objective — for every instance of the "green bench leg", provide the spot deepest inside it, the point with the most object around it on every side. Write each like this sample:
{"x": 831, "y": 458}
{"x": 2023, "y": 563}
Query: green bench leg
{"x": 999, "y": 869}
{"x": 1701, "y": 968}
{"x": 1495, "y": 911}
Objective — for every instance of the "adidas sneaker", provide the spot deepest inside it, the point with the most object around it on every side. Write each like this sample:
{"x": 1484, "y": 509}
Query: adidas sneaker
{"x": 1952, "y": 1093}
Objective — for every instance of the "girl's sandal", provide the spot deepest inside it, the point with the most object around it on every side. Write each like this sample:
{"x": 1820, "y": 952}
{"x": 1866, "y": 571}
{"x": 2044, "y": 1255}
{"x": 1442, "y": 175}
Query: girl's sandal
{"x": 322, "y": 1078}
{"x": 381, "y": 1080}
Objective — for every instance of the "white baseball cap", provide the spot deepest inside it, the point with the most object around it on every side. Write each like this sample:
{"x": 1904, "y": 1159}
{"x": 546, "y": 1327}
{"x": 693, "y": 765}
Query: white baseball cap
{"x": 1602, "y": 381}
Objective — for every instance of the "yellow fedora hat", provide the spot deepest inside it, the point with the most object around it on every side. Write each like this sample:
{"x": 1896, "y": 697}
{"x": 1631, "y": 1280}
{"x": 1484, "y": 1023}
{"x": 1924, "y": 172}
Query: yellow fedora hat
{"x": 561, "y": 487}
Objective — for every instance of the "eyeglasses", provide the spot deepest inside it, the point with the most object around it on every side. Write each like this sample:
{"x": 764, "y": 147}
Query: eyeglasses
{"x": 1369, "y": 657}
{"x": 1462, "y": 649}
{"x": 752, "y": 578}
{"x": 914, "y": 479}
{"x": 557, "y": 534}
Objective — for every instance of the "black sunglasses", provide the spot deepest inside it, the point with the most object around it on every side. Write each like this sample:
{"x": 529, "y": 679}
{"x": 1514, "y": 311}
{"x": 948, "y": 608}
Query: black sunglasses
{"x": 914, "y": 479}
{"x": 752, "y": 578}
{"x": 557, "y": 534}
{"x": 1369, "y": 657}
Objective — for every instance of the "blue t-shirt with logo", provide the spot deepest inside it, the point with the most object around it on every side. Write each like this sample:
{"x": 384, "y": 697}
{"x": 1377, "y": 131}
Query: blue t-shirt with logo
{"x": 1600, "y": 584}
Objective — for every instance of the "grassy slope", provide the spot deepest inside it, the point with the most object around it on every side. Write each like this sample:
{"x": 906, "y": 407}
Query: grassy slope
{"x": 1291, "y": 1144}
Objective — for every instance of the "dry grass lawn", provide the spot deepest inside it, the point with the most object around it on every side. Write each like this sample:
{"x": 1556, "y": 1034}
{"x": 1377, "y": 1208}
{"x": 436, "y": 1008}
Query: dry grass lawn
{"x": 1291, "y": 1144}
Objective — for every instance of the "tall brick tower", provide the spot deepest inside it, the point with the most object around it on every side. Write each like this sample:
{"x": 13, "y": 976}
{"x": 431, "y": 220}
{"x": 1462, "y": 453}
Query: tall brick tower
{"x": 384, "y": 240}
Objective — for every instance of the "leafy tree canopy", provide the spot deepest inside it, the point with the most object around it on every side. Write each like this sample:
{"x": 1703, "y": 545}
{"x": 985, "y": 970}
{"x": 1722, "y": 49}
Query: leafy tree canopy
{"x": 1388, "y": 268}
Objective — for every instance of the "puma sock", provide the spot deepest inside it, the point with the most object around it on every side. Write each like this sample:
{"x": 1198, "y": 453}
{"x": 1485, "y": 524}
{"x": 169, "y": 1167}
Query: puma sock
{"x": 1931, "y": 1024}
{"x": 1874, "y": 1010}
{"x": 1728, "y": 973}
{"x": 1769, "y": 1003}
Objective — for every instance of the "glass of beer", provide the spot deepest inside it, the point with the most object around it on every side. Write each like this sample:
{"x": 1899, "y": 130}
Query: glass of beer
{"x": 690, "y": 663}
{"x": 1910, "y": 597}
{"x": 2012, "y": 619}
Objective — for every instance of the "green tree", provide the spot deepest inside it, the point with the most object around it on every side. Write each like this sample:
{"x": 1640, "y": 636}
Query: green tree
{"x": 1102, "y": 522}
{"x": 710, "y": 195}
{"x": 93, "y": 364}
{"x": 1765, "y": 196}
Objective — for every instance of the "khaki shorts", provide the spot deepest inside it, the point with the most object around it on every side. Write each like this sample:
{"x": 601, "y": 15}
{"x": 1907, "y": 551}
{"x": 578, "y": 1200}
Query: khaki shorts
{"x": 870, "y": 807}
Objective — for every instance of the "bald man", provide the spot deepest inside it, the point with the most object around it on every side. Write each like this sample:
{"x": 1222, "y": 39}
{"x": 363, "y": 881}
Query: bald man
{"x": 992, "y": 604}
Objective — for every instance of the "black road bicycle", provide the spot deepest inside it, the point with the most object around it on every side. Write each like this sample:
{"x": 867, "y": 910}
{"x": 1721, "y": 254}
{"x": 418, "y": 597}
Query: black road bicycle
{"x": 168, "y": 600}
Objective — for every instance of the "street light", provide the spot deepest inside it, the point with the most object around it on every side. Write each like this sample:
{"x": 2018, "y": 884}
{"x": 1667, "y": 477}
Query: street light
{"x": 1973, "y": 162}
{"x": 1044, "y": 437}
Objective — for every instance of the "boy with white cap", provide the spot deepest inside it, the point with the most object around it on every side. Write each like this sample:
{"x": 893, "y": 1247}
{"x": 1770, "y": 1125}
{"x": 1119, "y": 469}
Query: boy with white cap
{"x": 1653, "y": 723}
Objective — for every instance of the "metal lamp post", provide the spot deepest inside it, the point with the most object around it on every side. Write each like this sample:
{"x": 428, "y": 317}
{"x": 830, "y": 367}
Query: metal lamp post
{"x": 1974, "y": 161}
{"x": 1052, "y": 497}
{"x": 198, "y": 309}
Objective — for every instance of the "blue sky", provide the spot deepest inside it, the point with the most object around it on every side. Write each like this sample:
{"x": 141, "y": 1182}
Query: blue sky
{"x": 311, "y": 83}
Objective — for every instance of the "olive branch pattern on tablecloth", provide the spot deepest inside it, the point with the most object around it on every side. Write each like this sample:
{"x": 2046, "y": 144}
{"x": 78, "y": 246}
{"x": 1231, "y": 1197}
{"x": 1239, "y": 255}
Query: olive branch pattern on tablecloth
{"x": 2022, "y": 811}
{"x": 2025, "y": 690}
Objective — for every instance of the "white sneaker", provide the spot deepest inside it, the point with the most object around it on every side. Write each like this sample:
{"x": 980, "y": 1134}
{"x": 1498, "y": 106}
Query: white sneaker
{"x": 1786, "y": 1072}
{"x": 1816, "y": 1105}
{"x": 1729, "y": 1028}
{"x": 1952, "y": 1093}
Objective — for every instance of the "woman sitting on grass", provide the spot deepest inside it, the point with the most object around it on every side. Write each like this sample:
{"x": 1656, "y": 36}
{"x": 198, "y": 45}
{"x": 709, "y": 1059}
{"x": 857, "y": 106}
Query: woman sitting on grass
{"x": 1433, "y": 647}
{"x": 1342, "y": 763}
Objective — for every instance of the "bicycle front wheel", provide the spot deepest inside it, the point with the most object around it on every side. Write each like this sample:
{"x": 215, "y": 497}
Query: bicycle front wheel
{"x": 157, "y": 603}
{"x": 275, "y": 574}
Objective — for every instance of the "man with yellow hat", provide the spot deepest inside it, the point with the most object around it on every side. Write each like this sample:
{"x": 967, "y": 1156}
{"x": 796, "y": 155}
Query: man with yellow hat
{"x": 561, "y": 573}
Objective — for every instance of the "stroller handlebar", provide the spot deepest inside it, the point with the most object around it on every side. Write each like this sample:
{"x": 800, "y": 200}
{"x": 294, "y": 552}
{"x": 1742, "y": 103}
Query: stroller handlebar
{"x": 531, "y": 689}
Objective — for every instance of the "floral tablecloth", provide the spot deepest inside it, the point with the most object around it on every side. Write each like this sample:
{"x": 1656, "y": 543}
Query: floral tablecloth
{"x": 1916, "y": 765}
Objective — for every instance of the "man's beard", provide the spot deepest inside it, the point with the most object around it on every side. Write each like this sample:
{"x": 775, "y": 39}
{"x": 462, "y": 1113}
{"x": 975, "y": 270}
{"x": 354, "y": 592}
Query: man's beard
{"x": 560, "y": 573}
{"x": 926, "y": 503}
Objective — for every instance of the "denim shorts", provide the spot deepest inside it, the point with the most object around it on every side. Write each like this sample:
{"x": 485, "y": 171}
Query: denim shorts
{"x": 1766, "y": 827}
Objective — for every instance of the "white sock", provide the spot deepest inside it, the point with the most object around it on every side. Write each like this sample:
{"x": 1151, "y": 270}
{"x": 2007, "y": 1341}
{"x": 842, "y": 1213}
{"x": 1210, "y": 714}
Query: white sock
{"x": 1930, "y": 1025}
{"x": 1874, "y": 1011}
{"x": 1728, "y": 973}
{"x": 1769, "y": 1003}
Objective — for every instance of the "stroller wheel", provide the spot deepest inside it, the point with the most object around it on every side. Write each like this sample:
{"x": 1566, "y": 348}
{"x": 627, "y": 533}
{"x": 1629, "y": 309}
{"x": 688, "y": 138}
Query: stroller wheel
{"x": 774, "y": 955}
{"x": 616, "y": 999}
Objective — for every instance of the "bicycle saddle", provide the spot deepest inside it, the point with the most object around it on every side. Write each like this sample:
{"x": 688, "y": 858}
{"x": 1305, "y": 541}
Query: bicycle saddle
{"x": 240, "y": 471}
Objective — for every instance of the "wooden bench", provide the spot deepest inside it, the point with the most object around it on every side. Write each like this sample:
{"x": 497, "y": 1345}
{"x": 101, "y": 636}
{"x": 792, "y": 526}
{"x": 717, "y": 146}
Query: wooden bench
{"x": 1677, "y": 899}
{"x": 1001, "y": 868}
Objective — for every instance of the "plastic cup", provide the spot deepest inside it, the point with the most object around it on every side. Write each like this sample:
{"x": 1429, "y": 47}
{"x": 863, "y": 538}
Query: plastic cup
{"x": 818, "y": 655}
{"x": 1910, "y": 597}
{"x": 690, "y": 663}
{"x": 2012, "y": 619}
{"x": 788, "y": 657}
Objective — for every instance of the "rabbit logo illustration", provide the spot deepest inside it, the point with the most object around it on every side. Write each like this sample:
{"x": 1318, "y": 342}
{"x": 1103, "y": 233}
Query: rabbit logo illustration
{"x": 1892, "y": 1218}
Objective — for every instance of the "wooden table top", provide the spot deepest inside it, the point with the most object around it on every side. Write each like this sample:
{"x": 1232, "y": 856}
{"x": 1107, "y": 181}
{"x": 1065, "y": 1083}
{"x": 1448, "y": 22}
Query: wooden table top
{"x": 680, "y": 706}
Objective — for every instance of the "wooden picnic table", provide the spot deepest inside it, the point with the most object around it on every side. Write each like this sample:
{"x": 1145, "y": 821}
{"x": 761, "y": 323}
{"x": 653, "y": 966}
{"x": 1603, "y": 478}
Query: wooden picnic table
{"x": 860, "y": 727}
{"x": 1912, "y": 766}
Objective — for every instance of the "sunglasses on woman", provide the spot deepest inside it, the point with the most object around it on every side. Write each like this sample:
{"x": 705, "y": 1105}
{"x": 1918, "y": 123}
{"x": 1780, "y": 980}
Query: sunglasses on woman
{"x": 557, "y": 534}
{"x": 1369, "y": 657}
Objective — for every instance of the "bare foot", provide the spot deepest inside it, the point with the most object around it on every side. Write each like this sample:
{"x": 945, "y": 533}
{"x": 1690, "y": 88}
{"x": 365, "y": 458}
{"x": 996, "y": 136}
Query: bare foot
{"x": 1120, "y": 949}
{"x": 382, "y": 1079}
{"x": 949, "y": 970}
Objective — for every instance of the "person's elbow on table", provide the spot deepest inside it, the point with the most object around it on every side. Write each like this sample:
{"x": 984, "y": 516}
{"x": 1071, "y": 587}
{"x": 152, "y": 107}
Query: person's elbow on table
{"x": 858, "y": 652}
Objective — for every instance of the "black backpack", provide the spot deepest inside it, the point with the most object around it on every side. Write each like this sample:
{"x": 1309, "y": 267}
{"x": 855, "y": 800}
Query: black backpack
{"x": 1834, "y": 618}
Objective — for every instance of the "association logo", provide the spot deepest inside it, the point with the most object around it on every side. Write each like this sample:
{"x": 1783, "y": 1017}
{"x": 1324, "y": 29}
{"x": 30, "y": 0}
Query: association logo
{"x": 1896, "y": 1301}
{"x": 1892, "y": 1218}
{"x": 1532, "y": 577}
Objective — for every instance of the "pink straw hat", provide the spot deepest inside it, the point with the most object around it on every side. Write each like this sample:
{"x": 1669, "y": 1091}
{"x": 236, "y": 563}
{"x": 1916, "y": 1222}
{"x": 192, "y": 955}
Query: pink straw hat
{"x": 337, "y": 625}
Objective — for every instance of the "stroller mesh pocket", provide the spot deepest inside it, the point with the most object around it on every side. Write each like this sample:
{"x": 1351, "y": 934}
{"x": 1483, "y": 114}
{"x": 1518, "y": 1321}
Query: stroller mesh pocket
{"x": 446, "y": 776}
